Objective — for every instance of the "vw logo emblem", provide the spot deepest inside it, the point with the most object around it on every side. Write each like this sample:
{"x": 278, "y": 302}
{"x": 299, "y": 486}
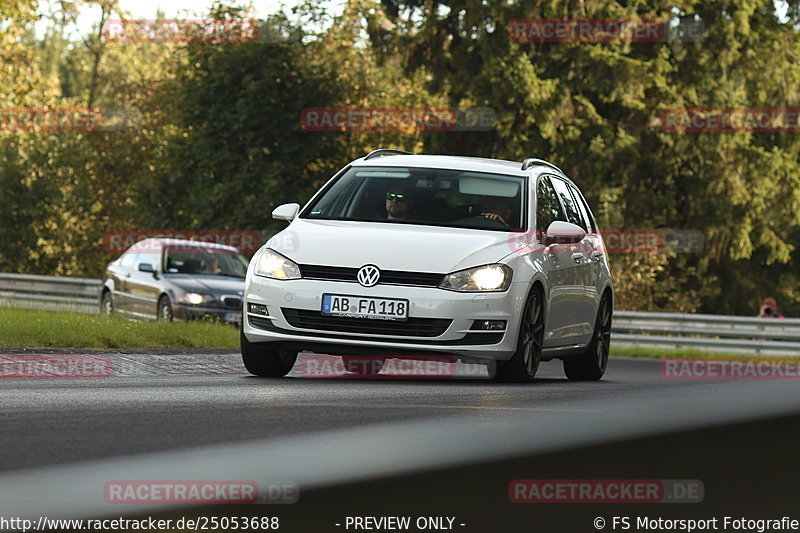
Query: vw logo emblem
{"x": 368, "y": 275}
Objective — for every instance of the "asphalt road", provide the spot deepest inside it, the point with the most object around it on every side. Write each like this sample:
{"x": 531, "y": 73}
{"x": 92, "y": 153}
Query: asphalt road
{"x": 201, "y": 417}
{"x": 167, "y": 402}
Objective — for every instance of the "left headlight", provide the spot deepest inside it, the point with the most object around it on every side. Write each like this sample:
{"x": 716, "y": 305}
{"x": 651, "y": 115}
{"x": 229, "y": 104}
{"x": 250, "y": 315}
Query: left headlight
{"x": 494, "y": 278}
{"x": 273, "y": 265}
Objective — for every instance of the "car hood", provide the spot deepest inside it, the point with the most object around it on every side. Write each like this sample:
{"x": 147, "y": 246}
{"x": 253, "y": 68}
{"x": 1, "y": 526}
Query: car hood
{"x": 406, "y": 247}
{"x": 207, "y": 284}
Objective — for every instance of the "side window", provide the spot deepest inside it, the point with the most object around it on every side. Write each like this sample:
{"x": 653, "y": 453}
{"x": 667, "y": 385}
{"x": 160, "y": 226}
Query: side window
{"x": 584, "y": 209}
{"x": 548, "y": 209}
{"x": 569, "y": 203}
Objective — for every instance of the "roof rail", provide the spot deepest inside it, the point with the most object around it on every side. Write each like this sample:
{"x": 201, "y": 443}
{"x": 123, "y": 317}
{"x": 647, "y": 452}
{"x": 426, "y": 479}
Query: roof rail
{"x": 528, "y": 163}
{"x": 385, "y": 151}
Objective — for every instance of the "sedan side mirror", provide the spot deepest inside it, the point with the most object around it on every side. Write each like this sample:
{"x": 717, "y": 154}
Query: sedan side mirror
{"x": 287, "y": 212}
{"x": 146, "y": 267}
{"x": 560, "y": 232}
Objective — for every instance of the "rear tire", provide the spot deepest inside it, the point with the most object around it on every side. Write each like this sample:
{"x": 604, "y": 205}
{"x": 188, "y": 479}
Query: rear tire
{"x": 363, "y": 366}
{"x": 591, "y": 366}
{"x": 106, "y": 304}
{"x": 261, "y": 360}
{"x": 523, "y": 365}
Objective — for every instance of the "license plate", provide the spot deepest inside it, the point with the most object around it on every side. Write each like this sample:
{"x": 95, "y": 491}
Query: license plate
{"x": 232, "y": 317}
{"x": 362, "y": 307}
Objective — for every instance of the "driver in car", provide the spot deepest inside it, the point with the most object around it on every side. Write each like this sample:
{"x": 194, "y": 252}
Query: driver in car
{"x": 399, "y": 204}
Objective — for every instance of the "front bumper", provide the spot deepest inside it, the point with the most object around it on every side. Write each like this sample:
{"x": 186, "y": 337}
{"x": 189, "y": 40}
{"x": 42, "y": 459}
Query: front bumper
{"x": 194, "y": 312}
{"x": 285, "y": 299}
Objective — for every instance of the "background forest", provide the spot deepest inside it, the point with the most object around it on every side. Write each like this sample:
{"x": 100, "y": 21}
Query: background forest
{"x": 211, "y": 135}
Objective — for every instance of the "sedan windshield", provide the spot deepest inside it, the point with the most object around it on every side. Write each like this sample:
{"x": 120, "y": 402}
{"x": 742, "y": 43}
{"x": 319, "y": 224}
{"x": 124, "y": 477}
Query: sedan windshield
{"x": 206, "y": 262}
{"x": 451, "y": 198}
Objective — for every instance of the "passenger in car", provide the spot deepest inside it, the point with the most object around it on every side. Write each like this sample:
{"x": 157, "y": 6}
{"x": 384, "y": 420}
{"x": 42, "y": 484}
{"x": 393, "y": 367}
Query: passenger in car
{"x": 212, "y": 266}
{"x": 497, "y": 208}
{"x": 399, "y": 204}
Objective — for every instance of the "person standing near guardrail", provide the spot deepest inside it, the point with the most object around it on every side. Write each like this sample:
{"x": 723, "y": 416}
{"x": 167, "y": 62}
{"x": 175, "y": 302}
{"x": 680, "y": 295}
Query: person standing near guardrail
{"x": 769, "y": 309}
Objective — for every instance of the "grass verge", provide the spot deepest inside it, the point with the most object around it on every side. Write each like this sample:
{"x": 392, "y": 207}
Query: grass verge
{"x": 35, "y": 328}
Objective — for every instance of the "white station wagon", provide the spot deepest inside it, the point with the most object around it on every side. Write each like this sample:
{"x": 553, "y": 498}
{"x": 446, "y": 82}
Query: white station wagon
{"x": 414, "y": 256}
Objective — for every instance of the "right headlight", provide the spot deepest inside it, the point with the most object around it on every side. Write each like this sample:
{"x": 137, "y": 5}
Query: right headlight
{"x": 487, "y": 278}
{"x": 271, "y": 264}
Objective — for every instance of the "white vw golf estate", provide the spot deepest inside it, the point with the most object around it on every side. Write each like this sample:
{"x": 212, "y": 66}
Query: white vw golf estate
{"x": 413, "y": 256}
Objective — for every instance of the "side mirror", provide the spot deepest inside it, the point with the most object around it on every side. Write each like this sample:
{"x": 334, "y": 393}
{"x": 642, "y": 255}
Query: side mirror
{"x": 560, "y": 232}
{"x": 287, "y": 212}
{"x": 146, "y": 267}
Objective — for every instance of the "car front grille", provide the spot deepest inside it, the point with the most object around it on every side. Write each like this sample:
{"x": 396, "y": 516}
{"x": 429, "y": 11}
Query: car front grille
{"x": 232, "y": 302}
{"x": 412, "y": 327}
{"x": 388, "y": 277}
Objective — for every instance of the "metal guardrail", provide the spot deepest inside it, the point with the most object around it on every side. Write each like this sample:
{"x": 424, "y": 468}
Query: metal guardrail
{"x": 81, "y": 295}
{"x": 722, "y": 333}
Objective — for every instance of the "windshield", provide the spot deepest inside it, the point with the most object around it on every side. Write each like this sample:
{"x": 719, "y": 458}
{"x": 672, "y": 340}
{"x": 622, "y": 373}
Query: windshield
{"x": 206, "y": 262}
{"x": 451, "y": 198}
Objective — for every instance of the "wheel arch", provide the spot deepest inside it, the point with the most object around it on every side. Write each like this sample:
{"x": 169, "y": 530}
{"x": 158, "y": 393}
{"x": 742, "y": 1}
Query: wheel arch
{"x": 539, "y": 283}
{"x": 608, "y": 290}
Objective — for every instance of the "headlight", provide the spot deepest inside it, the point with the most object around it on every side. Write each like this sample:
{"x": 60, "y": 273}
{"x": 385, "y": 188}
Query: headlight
{"x": 273, "y": 265}
{"x": 195, "y": 298}
{"x": 484, "y": 278}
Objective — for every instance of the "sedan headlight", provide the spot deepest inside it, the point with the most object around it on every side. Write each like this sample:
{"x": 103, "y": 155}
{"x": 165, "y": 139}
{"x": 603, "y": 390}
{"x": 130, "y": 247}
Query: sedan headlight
{"x": 273, "y": 265}
{"x": 495, "y": 278}
{"x": 196, "y": 298}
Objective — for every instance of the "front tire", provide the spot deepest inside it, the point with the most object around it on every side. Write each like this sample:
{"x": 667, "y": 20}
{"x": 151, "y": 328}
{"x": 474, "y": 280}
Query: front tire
{"x": 591, "y": 366}
{"x": 164, "y": 309}
{"x": 523, "y": 365}
{"x": 261, "y": 360}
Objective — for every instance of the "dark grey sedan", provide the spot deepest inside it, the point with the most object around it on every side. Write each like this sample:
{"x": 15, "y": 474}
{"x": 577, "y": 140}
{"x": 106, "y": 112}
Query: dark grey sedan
{"x": 170, "y": 279}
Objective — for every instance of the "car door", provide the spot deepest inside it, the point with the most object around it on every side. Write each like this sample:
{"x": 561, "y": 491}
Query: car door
{"x": 122, "y": 297}
{"x": 144, "y": 288}
{"x": 582, "y": 294}
{"x": 561, "y": 268}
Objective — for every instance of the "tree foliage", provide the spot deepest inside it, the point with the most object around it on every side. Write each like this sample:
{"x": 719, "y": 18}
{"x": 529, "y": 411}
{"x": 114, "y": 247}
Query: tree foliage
{"x": 211, "y": 136}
